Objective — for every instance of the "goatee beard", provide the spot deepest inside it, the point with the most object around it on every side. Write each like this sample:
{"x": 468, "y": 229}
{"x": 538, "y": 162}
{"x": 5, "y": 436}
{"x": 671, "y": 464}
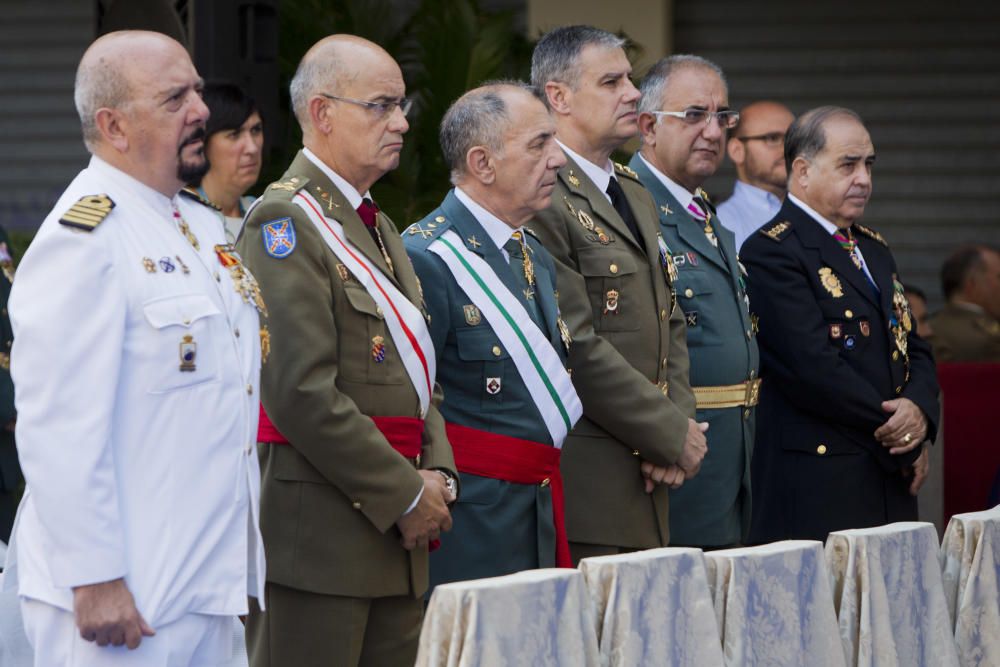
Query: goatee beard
{"x": 192, "y": 173}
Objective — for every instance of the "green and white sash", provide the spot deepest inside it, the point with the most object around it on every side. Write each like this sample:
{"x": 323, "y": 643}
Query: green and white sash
{"x": 536, "y": 360}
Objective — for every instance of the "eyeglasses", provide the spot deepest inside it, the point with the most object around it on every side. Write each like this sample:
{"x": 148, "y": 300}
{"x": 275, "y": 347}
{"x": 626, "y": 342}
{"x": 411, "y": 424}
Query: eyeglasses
{"x": 771, "y": 139}
{"x": 727, "y": 119}
{"x": 380, "y": 109}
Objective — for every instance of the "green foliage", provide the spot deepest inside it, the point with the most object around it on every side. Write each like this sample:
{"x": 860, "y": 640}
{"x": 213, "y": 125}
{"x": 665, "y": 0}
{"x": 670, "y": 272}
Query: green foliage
{"x": 444, "y": 47}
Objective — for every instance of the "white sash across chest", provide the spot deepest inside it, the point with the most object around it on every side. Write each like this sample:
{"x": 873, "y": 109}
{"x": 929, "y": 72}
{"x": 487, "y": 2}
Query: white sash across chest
{"x": 404, "y": 320}
{"x": 536, "y": 360}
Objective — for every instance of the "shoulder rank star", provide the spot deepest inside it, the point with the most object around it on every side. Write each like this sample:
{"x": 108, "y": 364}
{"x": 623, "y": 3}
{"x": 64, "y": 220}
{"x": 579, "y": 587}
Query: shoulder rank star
{"x": 573, "y": 180}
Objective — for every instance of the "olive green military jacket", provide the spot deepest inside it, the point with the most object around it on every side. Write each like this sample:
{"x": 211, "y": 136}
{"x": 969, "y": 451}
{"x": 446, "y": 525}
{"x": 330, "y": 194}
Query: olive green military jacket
{"x": 963, "y": 335}
{"x": 330, "y": 499}
{"x": 628, "y": 358}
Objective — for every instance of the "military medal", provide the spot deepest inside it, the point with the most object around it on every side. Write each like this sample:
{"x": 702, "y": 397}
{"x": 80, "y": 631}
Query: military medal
{"x": 585, "y": 220}
{"x": 149, "y": 265}
{"x": 526, "y": 264}
{"x": 564, "y": 333}
{"x": 848, "y": 342}
{"x": 472, "y": 315}
{"x": 345, "y": 275}
{"x": 611, "y": 302}
{"x": 244, "y": 283}
{"x": 378, "y": 349}
{"x": 865, "y": 328}
{"x": 901, "y": 323}
{"x": 184, "y": 267}
{"x": 493, "y": 386}
{"x": 185, "y": 229}
{"x": 265, "y": 344}
{"x": 830, "y": 282}
{"x": 5, "y": 361}
{"x": 188, "y": 352}
{"x": 836, "y": 331}
{"x": 167, "y": 265}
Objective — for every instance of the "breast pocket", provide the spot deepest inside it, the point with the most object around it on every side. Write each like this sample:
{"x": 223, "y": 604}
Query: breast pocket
{"x": 694, "y": 296}
{"x": 849, "y": 324}
{"x": 183, "y": 350}
{"x": 612, "y": 284}
{"x": 481, "y": 349}
{"x": 368, "y": 352}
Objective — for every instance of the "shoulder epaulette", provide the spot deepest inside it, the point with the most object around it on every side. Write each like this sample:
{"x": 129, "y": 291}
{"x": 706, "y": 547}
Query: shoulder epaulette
{"x": 191, "y": 193}
{"x": 286, "y": 189}
{"x": 776, "y": 231}
{"x": 87, "y": 212}
{"x": 428, "y": 228}
{"x": 871, "y": 233}
{"x": 627, "y": 171}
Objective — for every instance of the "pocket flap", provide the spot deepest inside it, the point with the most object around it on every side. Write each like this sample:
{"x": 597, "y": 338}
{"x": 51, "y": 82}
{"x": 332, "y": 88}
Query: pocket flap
{"x": 178, "y": 310}
{"x": 818, "y": 441}
{"x": 362, "y": 301}
{"x": 606, "y": 263}
{"x": 477, "y": 344}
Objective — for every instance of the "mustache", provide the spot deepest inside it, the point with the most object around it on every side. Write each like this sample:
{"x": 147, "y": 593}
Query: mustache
{"x": 196, "y": 136}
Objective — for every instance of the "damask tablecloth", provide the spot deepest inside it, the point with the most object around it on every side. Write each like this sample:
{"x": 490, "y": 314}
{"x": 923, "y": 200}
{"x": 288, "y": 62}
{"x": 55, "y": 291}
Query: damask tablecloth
{"x": 773, "y": 605}
{"x": 970, "y": 559}
{"x": 653, "y": 608}
{"x": 538, "y": 618}
{"x": 890, "y": 604}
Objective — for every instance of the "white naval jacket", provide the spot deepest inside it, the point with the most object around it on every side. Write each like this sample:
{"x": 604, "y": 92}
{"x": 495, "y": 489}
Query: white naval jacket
{"x": 135, "y": 467}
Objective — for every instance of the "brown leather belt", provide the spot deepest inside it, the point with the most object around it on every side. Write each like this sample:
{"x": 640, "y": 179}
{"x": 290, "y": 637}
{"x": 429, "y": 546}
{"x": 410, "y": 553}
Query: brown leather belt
{"x": 728, "y": 396}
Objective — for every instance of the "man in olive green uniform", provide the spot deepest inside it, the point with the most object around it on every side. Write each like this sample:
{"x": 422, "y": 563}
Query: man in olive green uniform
{"x": 679, "y": 152}
{"x": 628, "y": 357}
{"x": 10, "y": 470}
{"x": 357, "y": 471}
{"x": 968, "y": 327}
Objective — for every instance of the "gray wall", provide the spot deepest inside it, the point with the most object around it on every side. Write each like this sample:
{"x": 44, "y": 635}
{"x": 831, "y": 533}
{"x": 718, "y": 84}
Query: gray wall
{"x": 924, "y": 76}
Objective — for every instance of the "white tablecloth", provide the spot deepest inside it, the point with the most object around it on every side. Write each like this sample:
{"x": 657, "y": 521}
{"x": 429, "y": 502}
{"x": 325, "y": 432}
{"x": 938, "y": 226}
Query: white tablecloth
{"x": 653, "y": 608}
{"x": 970, "y": 557}
{"x": 537, "y": 617}
{"x": 773, "y": 605}
{"x": 890, "y": 603}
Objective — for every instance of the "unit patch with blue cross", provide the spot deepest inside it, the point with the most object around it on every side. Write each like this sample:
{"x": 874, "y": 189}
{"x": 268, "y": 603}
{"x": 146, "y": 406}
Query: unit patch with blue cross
{"x": 279, "y": 237}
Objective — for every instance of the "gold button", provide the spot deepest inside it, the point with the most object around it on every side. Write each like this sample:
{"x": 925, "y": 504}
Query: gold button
{"x": 746, "y": 414}
{"x": 236, "y": 332}
{"x": 895, "y": 355}
{"x": 899, "y": 390}
{"x": 663, "y": 314}
{"x": 848, "y": 313}
{"x": 497, "y": 351}
{"x": 250, "y": 389}
{"x": 356, "y": 504}
{"x": 440, "y": 218}
{"x": 821, "y": 449}
{"x": 689, "y": 292}
{"x": 187, "y": 322}
{"x": 545, "y": 482}
{"x": 613, "y": 268}
{"x": 378, "y": 311}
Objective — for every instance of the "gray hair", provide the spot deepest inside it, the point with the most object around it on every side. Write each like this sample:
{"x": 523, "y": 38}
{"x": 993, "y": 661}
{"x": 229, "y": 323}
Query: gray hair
{"x": 654, "y": 84}
{"x": 99, "y": 85}
{"x": 806, "y": 137}
{"x": 477, "y": 118}
{"x": 320, "y": 71}
{"x": 557, "y": 52}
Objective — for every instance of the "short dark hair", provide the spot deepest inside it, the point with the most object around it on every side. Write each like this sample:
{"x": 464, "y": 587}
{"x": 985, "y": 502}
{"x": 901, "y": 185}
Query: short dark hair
{"x": 959, "y": 265}
{"x": 806, "y": 137}
{"x": 556, "y": 53}
{"x": 230, "y": 106}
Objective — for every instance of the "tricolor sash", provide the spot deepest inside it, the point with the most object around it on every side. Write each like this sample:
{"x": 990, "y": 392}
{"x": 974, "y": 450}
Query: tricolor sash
{"x": 403, "y": 319}
{"x": 536, "y": 360}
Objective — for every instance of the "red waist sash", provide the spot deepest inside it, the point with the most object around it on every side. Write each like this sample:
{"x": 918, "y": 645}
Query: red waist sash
{"x": 517, "y": 461}
{"x": 405, "y": 434}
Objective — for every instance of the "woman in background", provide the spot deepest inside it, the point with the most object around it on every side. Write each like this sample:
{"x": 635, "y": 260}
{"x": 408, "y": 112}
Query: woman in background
{"x": 235, "y": 136}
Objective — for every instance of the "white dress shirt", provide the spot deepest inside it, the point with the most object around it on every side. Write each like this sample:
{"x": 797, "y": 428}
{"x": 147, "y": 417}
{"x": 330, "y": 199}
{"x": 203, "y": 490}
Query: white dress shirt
{"x": 831, "y": 229}
{"x": 497, "y": 230}
{"x": 680, "y": 193}
{"x": 747, "y": 209}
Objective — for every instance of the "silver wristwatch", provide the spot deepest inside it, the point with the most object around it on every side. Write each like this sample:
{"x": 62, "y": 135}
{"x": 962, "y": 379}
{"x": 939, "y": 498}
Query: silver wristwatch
{"x": 451, "y": 484}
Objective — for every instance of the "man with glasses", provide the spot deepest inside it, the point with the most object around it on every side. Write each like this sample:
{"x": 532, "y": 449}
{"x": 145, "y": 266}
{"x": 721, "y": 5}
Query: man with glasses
{"x": 757, "y": 149}
{"x": 684, "y": 117}
{"x": 628, "y": 357}
{"x": 357, "y": 471}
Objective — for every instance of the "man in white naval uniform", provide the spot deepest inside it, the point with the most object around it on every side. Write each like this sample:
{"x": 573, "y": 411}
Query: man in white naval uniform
{"x": 137, "y": 369}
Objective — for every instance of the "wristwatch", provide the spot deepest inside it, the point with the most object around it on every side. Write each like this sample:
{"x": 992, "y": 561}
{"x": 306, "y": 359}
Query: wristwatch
{"x": 450, "y": 483}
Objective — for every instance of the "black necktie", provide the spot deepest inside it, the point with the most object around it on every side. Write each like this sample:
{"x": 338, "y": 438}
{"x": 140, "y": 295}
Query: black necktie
{"x": 621, "y": 206}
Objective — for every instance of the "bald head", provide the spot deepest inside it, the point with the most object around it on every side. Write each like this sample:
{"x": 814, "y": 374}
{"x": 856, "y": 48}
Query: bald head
{"x": 330, "y": 65}
{"x": 110, "y": 70}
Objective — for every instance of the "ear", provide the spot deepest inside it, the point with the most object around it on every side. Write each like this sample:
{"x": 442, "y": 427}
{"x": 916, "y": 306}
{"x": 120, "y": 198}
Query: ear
{"x": 113, "y": 125}
{"x": 559, "y": 96}
{"x": 319, "y": 115}
{"x": 479, "y": 165}
{"x": 647, "y": 128}
{"x": 736, "y": 150}
{"x": 800, "y": 172}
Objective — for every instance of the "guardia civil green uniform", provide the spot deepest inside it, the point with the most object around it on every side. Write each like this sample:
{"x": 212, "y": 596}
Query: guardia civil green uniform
{"x": 713, "y": 508}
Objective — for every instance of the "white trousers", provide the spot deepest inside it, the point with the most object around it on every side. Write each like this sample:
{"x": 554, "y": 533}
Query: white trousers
{"x": 194, "y": 640}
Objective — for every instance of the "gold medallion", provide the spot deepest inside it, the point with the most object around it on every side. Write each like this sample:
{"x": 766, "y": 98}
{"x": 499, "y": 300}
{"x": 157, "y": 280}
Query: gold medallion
{"x": 265, "y": 344}
{"x": 611, "y": 302}
{"x": 573, "y": 180}
{"x": 586, "y": 221}
{"x": 472, "y": 315}
{"x": 830, "y": 282}
{"x": 149, "y": 265}
{"x": 188, "y": 352}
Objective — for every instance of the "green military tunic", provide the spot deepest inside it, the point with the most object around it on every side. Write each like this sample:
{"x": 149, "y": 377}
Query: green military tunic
{"x": 962, "y": 333}
{"x": 628, "y": 359}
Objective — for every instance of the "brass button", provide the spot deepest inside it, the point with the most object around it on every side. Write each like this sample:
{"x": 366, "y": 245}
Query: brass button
{"x": 613, "y": 268}
{"x": 821, "y": 449}
{"x": 848, "y": 313}
{"x": 545, "y": 482}
{"x": 497, "y": 351}
{"x": 895, "y": 355}
{"x": 899, "y": 390}
{"x": 378, "y": 311}
{"x": 187, "y": 322}
{"x": 663, "y": 314}
{"x": 746, "y": 414}
{"x": 356, "y": 504}
{"x": 689, "y": 292}
{"x": 440, "y": 218}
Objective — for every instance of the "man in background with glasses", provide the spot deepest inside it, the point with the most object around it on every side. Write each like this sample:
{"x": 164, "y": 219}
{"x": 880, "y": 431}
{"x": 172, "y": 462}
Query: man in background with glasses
{"x": 357, "y": 471}
{"x": 757, "y": 149}
{"x": 684, "y": 117}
